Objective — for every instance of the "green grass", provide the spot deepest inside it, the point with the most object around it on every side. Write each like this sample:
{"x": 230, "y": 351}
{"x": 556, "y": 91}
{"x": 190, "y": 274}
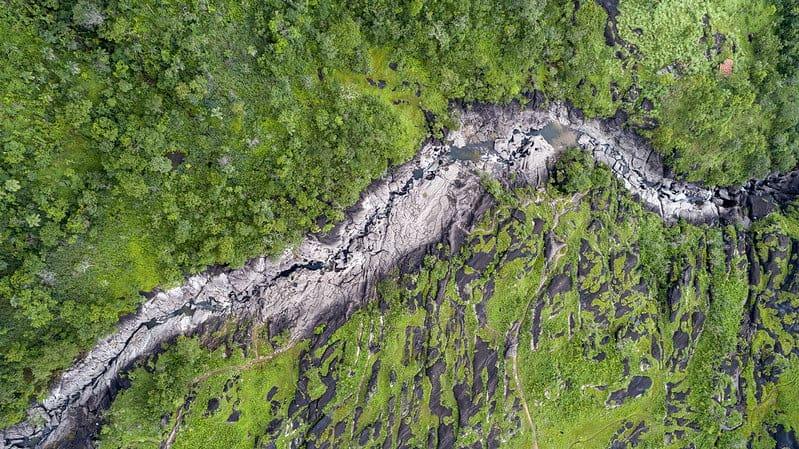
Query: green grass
{"x": 563, "y": 382}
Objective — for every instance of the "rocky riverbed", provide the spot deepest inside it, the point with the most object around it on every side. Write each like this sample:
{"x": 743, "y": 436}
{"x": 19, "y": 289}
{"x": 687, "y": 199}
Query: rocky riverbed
{"x": 436, "y": 197}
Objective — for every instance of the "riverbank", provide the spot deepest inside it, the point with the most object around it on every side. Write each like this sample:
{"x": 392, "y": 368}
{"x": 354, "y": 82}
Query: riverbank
{"x": 436, "y": 197}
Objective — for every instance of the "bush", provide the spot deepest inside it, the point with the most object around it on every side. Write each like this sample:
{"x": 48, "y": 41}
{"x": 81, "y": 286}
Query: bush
{"x": 574, "y": 171}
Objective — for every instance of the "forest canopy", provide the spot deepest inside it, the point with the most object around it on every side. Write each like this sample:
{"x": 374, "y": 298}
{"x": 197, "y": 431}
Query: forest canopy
{"x": 143, "y": 140}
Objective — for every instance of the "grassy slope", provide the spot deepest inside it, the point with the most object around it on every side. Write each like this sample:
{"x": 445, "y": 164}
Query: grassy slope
{"x": 595, "y": 336}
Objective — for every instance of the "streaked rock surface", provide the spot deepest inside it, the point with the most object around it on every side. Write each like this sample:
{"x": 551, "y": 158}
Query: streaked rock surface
{"x": 435, "y": 197}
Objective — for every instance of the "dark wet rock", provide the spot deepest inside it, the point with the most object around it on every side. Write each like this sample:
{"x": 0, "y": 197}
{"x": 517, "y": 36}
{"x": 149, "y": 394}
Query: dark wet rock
{"x": 785, "y": 438}
{"x": 754, "y": 267}
{"x": 213, "y": 405}
{"x": 364, "y": 436}
{"x": 370, "y": 388}
{"x": 536, "y": 97}
{"x": 585, "y": 264}
{"x": 635, "y": 435}
{"x": 431, "y": 438}
{"x": 676, "y": 291}
{"x": 718, "y": 42}
{"x": 234, "y": 416}
{"x": 611, "y": 7}
{"x": 320, "y": 426}
{"x": 519, "y": 215}
{"x": 480, "y": 310}
{"x": 339, "y": 429}
{"x": 484, "y": 358}
{"x": 331, "y": 349}
{"x": 446, "y": 437}
{"x": 516, "y": 253}
{"x": 680, "y": 340}
{"x": 356, "y": 417}
{"x": 561, "y": 283}
{"x": 229, "y": 384}
{"x": 656, "y": 351}
{"x": 403, "y": 434}
{"x": 271, "y": 394}
{"x": 434, "y": 373}
{"x": 493, "y": 439}
{"x": 466, "y": 408}
{"x": 637, "y": 387}
{"x": 759, "y": 207}
{"x": 630, "y": 262}
{"x": 697, "y": 322}
{"x": 621, "y": 309}
{"x": 417, "y": 341}
{"x": 619, "y": 118}
{"x": 300, "y": 397}
{"x": 479, "y": 261}
{"x": 418, "y": 391}
{"x": 273, "y": 426}
{"x": 538, "y": 226}
{"x": 536, "y": 327}
{"x": 316, "y": 407}
{"x": 551, "y": 245}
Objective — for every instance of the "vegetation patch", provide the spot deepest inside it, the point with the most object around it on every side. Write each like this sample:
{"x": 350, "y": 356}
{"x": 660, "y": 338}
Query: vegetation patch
{"x": 550, "y": 327}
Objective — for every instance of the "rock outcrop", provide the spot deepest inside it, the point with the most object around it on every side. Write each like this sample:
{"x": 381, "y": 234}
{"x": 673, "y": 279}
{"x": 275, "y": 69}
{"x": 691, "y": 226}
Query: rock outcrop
{"x": 633, "y": 160}
{"x": 435, "y": 197}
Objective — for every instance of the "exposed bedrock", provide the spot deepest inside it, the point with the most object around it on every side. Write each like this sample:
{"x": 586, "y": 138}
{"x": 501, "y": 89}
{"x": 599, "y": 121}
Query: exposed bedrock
{"x": 435, "y": 197}
{"x": 633, "y": 160}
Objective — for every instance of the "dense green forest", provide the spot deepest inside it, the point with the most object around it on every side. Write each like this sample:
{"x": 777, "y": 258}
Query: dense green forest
{"x": 143, "y": 140}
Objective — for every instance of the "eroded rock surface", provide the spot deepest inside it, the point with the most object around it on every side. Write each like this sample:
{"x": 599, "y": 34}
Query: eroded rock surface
{"x": 633, "y": 160}
{"x": 501, "y": 345}
{"x": 435, "y": 197}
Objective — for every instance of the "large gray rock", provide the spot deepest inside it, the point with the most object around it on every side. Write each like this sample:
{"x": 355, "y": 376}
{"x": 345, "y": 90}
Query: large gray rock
{"x": 433, "y": 198}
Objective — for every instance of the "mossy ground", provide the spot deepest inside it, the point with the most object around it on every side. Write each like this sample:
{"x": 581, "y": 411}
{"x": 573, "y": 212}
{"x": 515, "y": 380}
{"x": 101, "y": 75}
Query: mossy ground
{"x": 566, "y": 321}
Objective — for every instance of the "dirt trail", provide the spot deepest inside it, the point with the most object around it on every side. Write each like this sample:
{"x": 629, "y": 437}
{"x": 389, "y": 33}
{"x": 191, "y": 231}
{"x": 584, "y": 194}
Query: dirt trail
{"x": 514, "y": 332}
